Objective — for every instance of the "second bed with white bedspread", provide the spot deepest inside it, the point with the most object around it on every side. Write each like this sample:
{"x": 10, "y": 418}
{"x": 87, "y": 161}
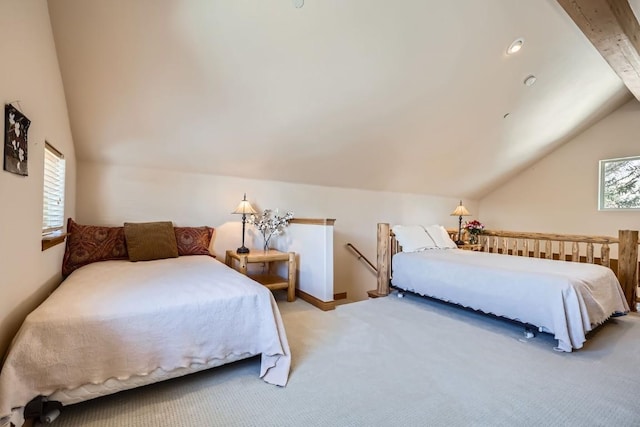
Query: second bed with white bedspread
{"x": 564, "y": 298}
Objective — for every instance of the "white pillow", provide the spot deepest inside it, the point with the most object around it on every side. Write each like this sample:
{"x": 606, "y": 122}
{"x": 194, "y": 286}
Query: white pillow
{"x": 440, "y": 236}
{"x": 413, "y": 238}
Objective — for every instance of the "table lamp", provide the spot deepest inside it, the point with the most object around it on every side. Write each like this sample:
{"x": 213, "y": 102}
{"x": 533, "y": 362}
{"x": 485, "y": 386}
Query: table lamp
{"x": 244, "y": 208}
{"x": 460, "y": 212}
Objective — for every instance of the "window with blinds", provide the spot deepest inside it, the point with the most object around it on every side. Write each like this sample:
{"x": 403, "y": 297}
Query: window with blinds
{"x": 53, "y": 196}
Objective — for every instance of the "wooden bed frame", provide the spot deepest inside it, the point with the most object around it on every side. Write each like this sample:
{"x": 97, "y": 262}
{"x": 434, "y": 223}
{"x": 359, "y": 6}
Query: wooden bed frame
{"x": 538, "y": 245}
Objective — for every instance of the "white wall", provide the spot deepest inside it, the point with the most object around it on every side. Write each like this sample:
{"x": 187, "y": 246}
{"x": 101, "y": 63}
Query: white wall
{"x": 29, "y": 73}
{"x": 110, "y": 195}
{"x": 313, "y": 244}
{"x": 560, "y": 193}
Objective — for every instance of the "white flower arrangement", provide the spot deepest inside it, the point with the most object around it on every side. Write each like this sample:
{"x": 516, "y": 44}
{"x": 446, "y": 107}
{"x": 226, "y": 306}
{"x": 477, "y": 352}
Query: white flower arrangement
{"x": 270, "y": 224}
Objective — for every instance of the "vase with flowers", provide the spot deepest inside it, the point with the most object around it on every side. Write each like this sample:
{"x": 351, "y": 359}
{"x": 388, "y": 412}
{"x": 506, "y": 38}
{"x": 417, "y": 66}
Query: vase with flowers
{"x": 270, "y": 224}
{"x": 474, "y": 228}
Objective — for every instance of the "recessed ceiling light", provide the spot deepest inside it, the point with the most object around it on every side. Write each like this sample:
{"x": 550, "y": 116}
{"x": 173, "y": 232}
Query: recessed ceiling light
{"x": 530, "y": 80}
{"x": 515, "y": 46}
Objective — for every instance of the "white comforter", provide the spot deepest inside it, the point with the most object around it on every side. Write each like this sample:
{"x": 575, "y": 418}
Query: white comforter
{"x": 118, "y": 319}
{"x": 567, "y": 299}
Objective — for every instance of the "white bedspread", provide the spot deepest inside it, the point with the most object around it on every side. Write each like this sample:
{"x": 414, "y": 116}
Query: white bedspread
{"x": 567, "y": 299}
{"x": 118, "y": 319}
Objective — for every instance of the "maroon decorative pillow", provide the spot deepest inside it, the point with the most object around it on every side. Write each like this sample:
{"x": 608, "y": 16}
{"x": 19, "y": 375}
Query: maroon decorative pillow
{"x": 90, "y": 243}
{"x": 193, "y": 240}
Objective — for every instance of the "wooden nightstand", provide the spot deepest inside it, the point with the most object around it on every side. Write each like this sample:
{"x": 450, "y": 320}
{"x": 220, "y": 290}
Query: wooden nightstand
{"x": 470, "y": 247}
{"x": 268, "y": 279}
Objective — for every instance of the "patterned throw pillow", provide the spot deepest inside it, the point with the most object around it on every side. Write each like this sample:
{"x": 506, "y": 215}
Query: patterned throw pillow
{"x": 193, "y": 240}
{"x": 91, "y": 243}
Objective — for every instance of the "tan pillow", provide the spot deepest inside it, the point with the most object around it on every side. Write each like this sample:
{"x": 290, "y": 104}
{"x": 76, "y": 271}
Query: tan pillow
{"x": 147, "y": 241}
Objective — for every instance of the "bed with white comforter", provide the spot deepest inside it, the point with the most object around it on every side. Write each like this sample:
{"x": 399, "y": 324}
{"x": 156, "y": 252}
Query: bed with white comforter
{"x": 567, "y": 299}
{"x": 114, "y": 325}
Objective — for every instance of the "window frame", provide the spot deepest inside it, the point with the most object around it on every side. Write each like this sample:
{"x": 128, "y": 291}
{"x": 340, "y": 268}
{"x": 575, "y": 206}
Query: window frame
{"x": 601, "y": 183}
{"x": 52, "y": 234}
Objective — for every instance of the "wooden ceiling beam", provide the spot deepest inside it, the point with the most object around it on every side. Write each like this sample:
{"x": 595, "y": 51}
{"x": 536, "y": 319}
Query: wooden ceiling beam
{"x": 613, "y": 29}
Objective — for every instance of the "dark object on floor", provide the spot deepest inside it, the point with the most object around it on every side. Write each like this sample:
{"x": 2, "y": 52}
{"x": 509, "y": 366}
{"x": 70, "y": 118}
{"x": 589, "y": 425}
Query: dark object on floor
{"x": 42, "y": 410}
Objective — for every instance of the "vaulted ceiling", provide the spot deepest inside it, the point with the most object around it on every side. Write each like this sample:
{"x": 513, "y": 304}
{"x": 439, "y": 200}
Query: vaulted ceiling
{"x": 410, "y": 96}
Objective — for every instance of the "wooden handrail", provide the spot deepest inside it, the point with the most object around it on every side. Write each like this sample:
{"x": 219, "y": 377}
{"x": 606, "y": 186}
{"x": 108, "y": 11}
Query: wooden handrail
{"x": 579, "y": 238}
{"x": 360, "y": 256}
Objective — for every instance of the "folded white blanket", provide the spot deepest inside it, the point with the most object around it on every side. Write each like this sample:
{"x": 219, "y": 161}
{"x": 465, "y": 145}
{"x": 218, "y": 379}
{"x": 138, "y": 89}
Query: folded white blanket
{"x": 118, "y": 319}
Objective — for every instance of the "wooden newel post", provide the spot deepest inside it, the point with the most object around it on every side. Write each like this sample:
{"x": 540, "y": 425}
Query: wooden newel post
{"x": 628, "y": 265}
{"x": 383, "y": 259}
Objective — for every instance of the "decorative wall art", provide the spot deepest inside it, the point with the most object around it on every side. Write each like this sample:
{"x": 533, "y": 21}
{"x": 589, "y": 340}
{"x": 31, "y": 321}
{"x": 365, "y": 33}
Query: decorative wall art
{"x": 16, "y": 126}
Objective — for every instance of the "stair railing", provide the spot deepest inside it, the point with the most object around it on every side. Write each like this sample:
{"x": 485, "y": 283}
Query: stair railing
{"x": 362, "y": 257}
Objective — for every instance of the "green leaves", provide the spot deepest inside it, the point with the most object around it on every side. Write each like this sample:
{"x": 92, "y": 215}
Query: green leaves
{"x": 621, "y": 184}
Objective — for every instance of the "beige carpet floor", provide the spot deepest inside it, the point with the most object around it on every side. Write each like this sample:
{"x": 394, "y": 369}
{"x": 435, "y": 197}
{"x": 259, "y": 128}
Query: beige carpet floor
{"x": 400, "y": 362}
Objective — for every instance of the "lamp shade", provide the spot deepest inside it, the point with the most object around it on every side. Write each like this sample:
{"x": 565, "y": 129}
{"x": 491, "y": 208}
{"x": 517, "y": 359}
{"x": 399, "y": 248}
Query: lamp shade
{"x": 244, "y": 207}
{"x": 460, "y": 211}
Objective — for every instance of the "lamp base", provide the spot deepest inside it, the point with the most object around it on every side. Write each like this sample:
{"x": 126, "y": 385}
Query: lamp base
{"x": 243, "y": 250}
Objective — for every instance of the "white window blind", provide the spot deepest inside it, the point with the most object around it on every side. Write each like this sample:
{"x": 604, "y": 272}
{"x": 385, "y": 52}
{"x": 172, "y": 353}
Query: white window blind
{"x": 53, "y": 199}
